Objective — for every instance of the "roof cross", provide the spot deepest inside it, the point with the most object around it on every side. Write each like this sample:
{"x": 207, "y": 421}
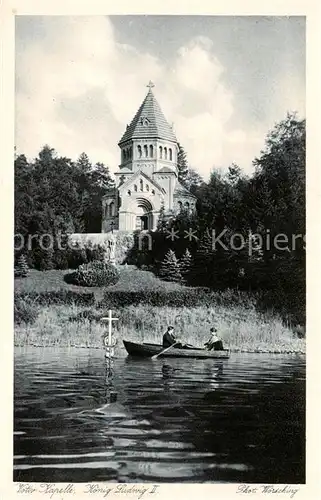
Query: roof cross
{"x": 150, "y": 85}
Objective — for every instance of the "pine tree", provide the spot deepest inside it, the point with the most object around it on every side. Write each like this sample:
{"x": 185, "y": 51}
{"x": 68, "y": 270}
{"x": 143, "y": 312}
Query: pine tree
{"x": 182, "y": 164}
{"x": 185, "y": 265}
{"x": 170, "y": 270}
{"x": 22, "y": 267}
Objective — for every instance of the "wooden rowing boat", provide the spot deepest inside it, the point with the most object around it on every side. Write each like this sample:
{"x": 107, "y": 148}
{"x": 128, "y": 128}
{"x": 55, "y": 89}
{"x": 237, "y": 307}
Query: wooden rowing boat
{"x": 146, "y": 350}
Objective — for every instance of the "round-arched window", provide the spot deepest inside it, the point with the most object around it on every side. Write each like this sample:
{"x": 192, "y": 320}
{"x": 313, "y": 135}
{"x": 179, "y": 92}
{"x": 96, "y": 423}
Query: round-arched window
{"x": 112, "y": 209}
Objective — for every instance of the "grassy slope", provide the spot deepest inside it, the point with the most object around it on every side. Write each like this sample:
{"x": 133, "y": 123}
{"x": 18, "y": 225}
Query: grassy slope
{"x": 130, "y": 279}
{"x": 240, "y": 325}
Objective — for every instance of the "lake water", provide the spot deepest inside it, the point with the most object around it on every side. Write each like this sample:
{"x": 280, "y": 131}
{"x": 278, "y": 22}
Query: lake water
{"x": 237, "y": 420}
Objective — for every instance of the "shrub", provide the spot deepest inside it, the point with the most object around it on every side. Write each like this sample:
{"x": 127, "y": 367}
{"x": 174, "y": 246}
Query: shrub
{"x": 76, "y": 256}
{"x": 24, "y": 311}
{"x": 59, "y": 297}
{"x": 95, "y": 252}
{"x": 61, "y": 259}
{"x": 43, "y": 259}
{"x": 94, "y": 273}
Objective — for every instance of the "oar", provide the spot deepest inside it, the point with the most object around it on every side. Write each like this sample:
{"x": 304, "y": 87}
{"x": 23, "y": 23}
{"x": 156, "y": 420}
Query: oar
{"x": 165, "y": 350}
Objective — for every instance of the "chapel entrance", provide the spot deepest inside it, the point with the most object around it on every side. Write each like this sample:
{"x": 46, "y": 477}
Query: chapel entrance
{"x": 142, "y": 223}
{"x": 144, "y": 216}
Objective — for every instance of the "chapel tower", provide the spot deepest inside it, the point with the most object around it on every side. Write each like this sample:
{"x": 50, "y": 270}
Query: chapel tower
{"x": 147, "y": 175}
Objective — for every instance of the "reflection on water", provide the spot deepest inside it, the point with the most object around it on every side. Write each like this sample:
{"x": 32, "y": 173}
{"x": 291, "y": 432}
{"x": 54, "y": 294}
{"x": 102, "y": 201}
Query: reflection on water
{"x": 170, "y": 420}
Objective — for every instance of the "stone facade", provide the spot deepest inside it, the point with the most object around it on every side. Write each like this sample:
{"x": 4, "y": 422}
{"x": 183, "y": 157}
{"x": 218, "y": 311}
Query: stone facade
{"x": 147, "y": 175}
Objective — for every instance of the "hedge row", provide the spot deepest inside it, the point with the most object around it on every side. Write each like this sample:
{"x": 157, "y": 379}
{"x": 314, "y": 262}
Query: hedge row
{"x": 59, "y": 297}
{"x": 174, "y": 298}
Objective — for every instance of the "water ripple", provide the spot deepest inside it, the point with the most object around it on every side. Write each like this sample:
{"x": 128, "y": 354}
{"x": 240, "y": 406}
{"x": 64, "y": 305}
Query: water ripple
{"x": 201, "y": 421}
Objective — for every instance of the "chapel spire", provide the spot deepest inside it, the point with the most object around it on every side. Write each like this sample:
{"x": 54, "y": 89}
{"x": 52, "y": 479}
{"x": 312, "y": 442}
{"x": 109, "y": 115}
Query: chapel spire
{"x": 150, "y": 85}
{"x": 149, "y": 121}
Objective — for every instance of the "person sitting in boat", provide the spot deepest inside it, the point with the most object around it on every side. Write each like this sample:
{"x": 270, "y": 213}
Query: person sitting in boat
{"x": 170, "y": 339}
{"x": 214, "y": 342}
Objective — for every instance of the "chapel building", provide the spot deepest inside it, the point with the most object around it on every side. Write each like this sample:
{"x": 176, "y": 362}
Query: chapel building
{"x": 147, "y": 175}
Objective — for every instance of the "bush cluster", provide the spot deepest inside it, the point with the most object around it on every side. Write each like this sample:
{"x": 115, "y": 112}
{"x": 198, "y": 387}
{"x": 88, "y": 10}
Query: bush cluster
{"x": 96, "y": 273}
{"x": 58, "y": 297}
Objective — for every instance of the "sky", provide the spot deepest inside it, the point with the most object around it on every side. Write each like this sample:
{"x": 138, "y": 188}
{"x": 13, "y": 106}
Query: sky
{"x": 222, "y": 81}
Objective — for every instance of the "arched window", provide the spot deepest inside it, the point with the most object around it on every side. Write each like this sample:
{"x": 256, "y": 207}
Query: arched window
{"x": 130, "y": 152}
{"x": 151, "y": 151}
{"x": 139, "y": 149}
{"x": 129, "y": 192}
{"x": 165, "y": 153}
{"x": 125, "y": 154}
{"x": 135, "y": 187}
{"x": 145, "y": 151}
{"x": 160, "y": 152}
{"x": 112, "y": 209}
{"x": 147, "y": 187}
{"x": 106, "y": 210}
{"x": 153, "y": 191}
{"x": 141, "y": 185}
{"x": 179, "y": 204}
{"x": 170, "y": 154}
{"x": 187, "y": 205}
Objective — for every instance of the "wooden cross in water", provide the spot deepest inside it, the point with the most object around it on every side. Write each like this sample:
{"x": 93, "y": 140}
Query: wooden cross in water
{"x": 110, "y": 319}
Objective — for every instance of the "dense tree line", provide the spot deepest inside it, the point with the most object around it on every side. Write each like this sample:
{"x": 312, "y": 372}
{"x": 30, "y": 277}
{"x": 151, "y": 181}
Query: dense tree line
{"x": 261, "y": 220}
{"x": 54, "y": 195}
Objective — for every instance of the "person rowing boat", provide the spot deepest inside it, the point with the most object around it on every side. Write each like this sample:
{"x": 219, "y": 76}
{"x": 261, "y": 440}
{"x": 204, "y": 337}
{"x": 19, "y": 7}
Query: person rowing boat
{"x": 169, "y": 339}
